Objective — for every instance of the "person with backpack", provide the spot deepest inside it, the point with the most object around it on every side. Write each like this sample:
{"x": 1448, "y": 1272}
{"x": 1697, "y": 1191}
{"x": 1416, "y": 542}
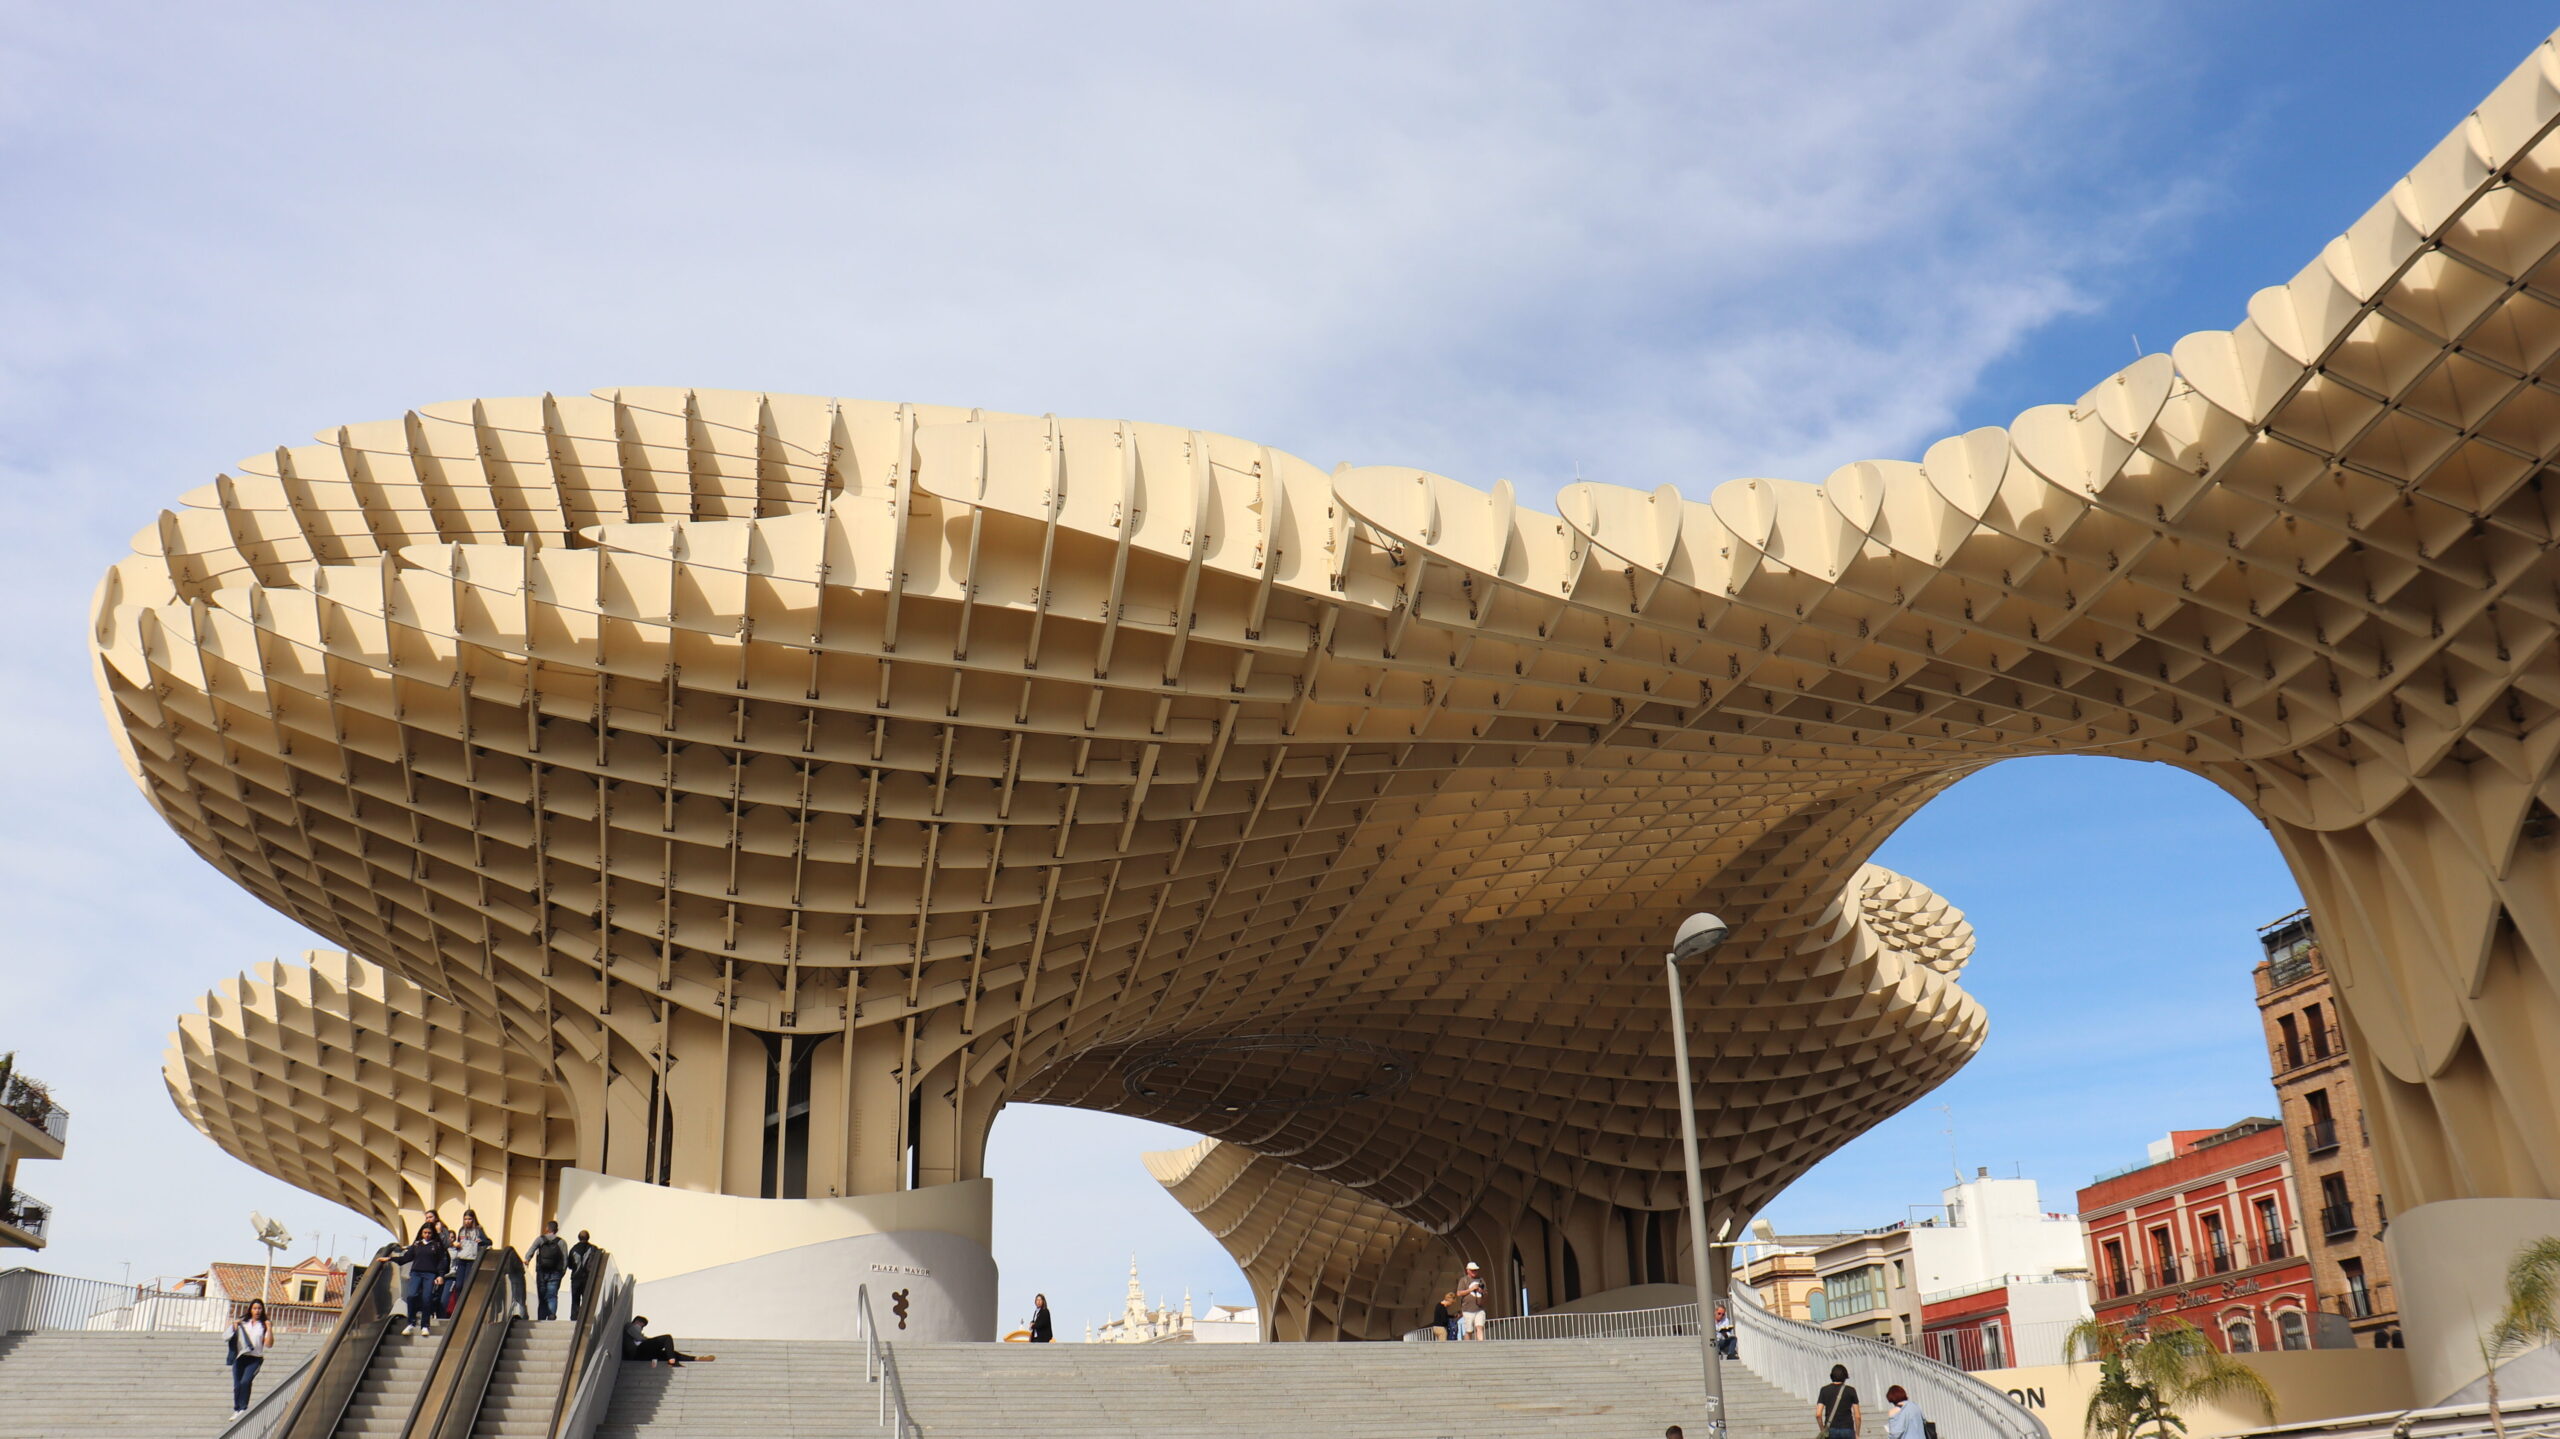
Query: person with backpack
{"x": 1835, "y": 1409}
{"x": 1906, "y": 1421}
{"x": 247, "y": 1347}
{"x": 550, "y": 1258}
{"x": 428, "y": 1261}
{"x": 582, "y": 1263}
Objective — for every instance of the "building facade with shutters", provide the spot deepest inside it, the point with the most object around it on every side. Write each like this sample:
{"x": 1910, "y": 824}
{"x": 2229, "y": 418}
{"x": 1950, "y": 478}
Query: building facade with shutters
{"x": 2208, "y": 1231}
{"x": 2327, "y": 1135}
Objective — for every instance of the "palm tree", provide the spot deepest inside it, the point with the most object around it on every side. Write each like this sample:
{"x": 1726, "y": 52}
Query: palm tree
{"x": 2145, "y": 1378}
{"x": 2532, "y": 1317}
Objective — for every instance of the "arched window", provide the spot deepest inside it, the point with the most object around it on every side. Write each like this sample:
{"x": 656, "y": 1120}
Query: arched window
{"x": 1817, "y": 1306}
{"x": 2292, "y": 1331}
{"x": 2243, "y": 1336}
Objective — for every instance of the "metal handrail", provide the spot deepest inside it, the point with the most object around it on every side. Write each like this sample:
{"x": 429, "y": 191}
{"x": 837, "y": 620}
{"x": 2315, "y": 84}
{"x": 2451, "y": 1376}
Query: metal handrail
{"x": 334, "y": 1372}
{"x": 1797, "y": 1358}
{"x": 880, "y": 1367}
{"x": 1670, "y": 1321}
{"x": 262, "y": 1417}
{"x": 600, "y": 1305}
{"x": 448, "y": 1403}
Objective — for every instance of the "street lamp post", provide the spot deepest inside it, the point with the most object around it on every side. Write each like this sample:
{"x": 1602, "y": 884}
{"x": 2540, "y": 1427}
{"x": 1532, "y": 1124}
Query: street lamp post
{"x": 1699, "y": 935}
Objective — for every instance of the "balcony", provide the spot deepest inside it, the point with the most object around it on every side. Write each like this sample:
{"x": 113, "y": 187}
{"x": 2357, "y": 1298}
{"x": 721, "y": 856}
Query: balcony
{"x": 2336, "y": 1219}
{"x": 2116, "y": 1286}
{"x": 2271, "y": 1248}
{"x": 32, "y": 1101}
{"x": 2317, "y": 1048}
{"x": 2320, "y": 1136}
{"x": 2363, "y": 1302}
{"x": 2220, "y": 1261}
{"x": 26, "y": 1214}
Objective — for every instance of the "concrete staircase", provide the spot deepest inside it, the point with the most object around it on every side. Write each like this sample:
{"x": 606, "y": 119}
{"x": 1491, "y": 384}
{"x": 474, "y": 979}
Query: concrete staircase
{"x": 526, "y": 1382}
{"x": 379, "y": 1409}
{"x": 1587, "y": 1388}
{"x": 108, "y": 1384}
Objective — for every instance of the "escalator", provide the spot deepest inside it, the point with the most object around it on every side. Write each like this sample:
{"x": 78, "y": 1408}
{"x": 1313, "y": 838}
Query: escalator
{"x": 488, "y": 1373}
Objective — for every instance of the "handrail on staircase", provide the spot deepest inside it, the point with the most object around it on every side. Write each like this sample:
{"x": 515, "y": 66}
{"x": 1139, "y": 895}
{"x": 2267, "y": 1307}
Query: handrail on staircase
{"x": 269, "y": 1410}
{"x": 448, "y": 1403}
{"x": 600, "y": 1303}
{"x": 331, "y": 1376}
{"x": 1798, "y": 1357}
{"x": 880, "y": 1367}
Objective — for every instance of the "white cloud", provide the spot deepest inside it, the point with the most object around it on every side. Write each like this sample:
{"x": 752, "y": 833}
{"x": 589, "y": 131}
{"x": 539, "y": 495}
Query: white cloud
{"x": 1671, "y": 243}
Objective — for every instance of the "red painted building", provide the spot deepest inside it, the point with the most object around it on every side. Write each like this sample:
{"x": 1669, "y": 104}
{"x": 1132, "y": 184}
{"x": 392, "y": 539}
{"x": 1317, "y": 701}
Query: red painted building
{"x": 2209, "y": 1232}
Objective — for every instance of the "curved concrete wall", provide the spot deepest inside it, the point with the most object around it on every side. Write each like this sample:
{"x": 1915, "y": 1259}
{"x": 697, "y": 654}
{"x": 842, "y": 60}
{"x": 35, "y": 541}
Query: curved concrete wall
{"x": 716, "y": 1266}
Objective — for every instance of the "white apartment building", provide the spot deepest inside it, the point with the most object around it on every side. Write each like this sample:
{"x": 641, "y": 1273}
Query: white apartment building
{"x": 1983, "y": 1233}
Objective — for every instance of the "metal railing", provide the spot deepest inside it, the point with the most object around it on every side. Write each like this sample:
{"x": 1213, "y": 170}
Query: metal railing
{"x": 24, "y": 1212}
{"x": 2337, "y": 1218}
{"x": 31, "y": 1100}
{"x": 1797, "y": 1358}
{"x": 881, "y": 1368}
{"x": 267, "y": 1413}
{"x": 448, "y": 1404}
{"x": 331, "y": 1380}
{"x": 2320, "y": 1136}
{"x": 1670, "y": 1322}
{"x": 2363, "y": 1301}
{"x": 2318, "y": 1048}
{"x": 601, "y": 1306}
{"x": 33, "y": 1299}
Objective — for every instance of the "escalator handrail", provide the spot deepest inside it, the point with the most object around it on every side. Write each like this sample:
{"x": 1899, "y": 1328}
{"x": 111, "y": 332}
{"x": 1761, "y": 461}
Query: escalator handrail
{"x": 603, "y": 1304}
{"x": 331, "y": 1377}
{"x": 448, "y": 1403}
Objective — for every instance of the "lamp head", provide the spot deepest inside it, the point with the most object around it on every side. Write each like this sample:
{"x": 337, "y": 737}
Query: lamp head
{"x": 1699, "y": 935}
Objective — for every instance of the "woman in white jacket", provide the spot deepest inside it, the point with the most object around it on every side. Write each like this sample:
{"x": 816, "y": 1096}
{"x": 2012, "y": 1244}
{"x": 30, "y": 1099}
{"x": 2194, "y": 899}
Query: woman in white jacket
{"x": 250, "y": 1336}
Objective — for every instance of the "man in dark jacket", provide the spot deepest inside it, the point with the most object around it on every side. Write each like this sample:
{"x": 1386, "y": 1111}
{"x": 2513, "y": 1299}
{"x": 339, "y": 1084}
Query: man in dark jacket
{"x": 550, "y": 1261}
{"x": 582, "y": 1258}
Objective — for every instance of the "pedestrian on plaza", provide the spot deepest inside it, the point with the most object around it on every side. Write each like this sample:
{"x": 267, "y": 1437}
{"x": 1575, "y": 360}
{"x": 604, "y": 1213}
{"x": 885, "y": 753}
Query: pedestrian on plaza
{"x": 1835, "y": 1410}
{"x": 1444, "y": 1320}
{"x": 1905, "y": 1421}
{"x": 550, "y": 1258}
{"x": 582, "y": 1264}
{"x": 470, "y": 1241}
{"x": 428, "y": 1262}
{"x": 1041, "y": 1330}
{"x": 639, "y": 1343}
{"x": 1725, "y": 1342}
{"x": 247, "y": 1347}
{"x": 1471, "y": 1316}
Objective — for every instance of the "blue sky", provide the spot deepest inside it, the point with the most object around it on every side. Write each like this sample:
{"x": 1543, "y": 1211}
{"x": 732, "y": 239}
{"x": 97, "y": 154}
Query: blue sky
{"x": 1687, "y": 244}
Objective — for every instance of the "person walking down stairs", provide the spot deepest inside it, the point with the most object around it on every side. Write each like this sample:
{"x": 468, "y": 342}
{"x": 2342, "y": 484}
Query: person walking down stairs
{"x": 470, "y": 1242}
{"x": 582, "y": 1263}
{"x": 251, "y": 1334}
{"x": 427, "y": 1260}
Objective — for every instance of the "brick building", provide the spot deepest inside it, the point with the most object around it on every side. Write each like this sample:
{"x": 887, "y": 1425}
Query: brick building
{"x": 2208, "y": 1231}
{"x": 2324, "y": 1124}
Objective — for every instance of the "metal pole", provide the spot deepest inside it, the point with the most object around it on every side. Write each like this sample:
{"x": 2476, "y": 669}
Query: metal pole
{"x": 1711, "y": 1362}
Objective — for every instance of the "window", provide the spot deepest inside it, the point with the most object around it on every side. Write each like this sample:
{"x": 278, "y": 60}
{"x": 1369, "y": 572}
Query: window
{"x": 2217, "y": 1244}
{"x": 2319, "y": 1032}
{"x": 2118, "y": 1285}
{"x": 1901, "y": 1279}
{"x": 1854, "y": 1291}
{"x": 2292, "y": 1041}
{"x": 1817, "y": 1306}
{"x": 307, "y": 1292}
{"x": 1995, "y": 1350}
{"x": 2270, "y": 1230}
{"x": 2337, "y": 1212}
{"x": 2164, "y": 1260}
{"x": 2291, "y": 1331}
{"x": 2322, "y": 1135}
{"x": 2240, "y": 1337}
{"x": 2359, "y": 1298}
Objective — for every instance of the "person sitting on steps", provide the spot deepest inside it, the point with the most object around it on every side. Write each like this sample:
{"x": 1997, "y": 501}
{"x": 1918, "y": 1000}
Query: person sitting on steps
{"x": 639, "y": 1343}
